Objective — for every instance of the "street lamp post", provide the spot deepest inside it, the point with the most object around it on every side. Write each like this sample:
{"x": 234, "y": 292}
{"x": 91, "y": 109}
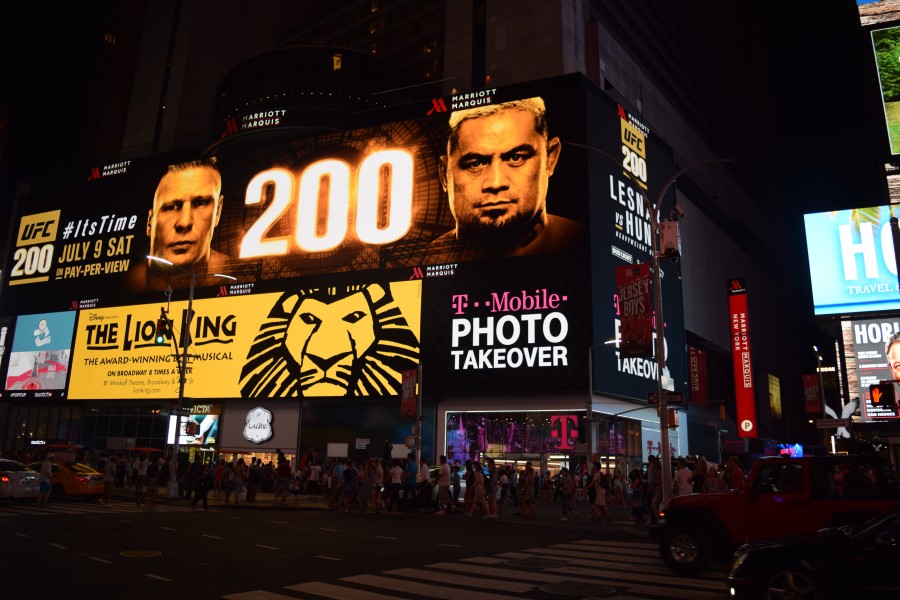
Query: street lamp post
{"x": 665, "y": 452}
{"x": 182, "y": 357}
{"x": 825, "y": 435}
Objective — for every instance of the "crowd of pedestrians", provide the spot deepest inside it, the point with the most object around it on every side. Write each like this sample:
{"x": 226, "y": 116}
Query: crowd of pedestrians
{"x": 390, "y": 485}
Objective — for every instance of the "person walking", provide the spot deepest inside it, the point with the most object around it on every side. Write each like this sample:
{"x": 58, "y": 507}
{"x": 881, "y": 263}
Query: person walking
{"x": 240, "y": 480}
{"x": 444, "y": 501}
{"x": 348, "y": 485}
{"x": 109, "y": 479}
{"x": 409, "y": 483}
{"x": 526, "y": 498}
{"x": 152, "y": 483}
{"x": 684, "y": 479}
{"x": 228, "y": 480}
{"x": 478, "y": 497}
{"x": 140, "y": 479}
{"x": 202, "y": 485}
{"x": 44, "y": 481}
{"x": 395, "y": 478}
{"x": 283, "y": 478}
{"x": 567, "y": 492}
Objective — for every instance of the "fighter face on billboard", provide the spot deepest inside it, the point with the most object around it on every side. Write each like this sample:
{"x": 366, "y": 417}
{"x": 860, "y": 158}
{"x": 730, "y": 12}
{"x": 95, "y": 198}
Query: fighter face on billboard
{"x": 186, "y": 210}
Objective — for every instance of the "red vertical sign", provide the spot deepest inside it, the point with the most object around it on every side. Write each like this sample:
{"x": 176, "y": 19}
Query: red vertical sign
{"x": 697, "y": 375}
{"x": 635, "y": 311}
{"x": 812, "y": 400}
{"x": 740, "y": 354}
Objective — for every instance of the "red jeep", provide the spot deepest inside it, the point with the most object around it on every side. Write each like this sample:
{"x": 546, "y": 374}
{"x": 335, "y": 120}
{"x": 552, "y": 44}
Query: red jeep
{"x": 783, "y": 497}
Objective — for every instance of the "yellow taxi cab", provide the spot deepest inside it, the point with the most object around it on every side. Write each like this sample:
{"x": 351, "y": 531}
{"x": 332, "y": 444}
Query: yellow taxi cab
{"x": 70, "y": 478}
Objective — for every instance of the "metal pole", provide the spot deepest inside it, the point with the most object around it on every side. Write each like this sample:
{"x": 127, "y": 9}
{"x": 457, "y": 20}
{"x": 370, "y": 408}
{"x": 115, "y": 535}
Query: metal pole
{"x": 665, "y": 454}
{"x": 825, "y": 436}
{"x": 182, "y": 376}
{"x": 589, "y": 405}
{"x": 419, "y": 417}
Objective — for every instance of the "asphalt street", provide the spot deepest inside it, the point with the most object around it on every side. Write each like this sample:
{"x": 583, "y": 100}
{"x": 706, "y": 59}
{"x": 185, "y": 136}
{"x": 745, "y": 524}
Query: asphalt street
{"x": 260, "y": 551}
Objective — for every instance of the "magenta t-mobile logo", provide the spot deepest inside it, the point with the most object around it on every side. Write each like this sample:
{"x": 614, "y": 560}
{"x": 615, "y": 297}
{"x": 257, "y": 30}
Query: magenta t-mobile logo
{"x": 459, "y": 303}
{"x": 568, "y": 430}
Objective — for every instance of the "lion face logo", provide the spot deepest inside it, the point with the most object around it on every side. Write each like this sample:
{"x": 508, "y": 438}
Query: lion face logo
{"x": 349, "y": 341}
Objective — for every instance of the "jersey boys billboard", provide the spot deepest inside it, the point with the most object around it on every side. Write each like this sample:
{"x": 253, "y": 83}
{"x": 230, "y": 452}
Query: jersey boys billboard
{"x": 454, "y": 239}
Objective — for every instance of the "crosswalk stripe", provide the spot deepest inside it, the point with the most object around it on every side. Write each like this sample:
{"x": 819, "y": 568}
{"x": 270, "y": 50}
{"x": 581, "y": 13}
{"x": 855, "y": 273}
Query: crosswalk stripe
{"x": 630, "y": 576}
{"x": 648, "y": 567}
{"x": 461, "y": 580}
{"x": 330, "y": 590}
{"x": 434, "y": 591}
{"x": 635, "y": 571}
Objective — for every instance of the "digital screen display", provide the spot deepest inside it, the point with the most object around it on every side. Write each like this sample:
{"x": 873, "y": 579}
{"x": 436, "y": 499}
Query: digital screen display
{"x": 40, "y": 355}
{"x": 420, "y": 238}
{"x": 851, "y": 261}
{"x": 200, "y": 428}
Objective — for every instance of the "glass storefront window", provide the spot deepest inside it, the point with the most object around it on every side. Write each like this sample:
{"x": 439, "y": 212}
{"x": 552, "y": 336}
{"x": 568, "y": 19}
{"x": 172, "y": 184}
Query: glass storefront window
{"x": 539, "y": 435}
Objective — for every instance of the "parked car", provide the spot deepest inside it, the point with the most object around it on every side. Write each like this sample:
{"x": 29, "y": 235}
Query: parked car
{"x": 73, "y": 479}
{"x": 18, "y": 480}
{"x": 855, "y": 561}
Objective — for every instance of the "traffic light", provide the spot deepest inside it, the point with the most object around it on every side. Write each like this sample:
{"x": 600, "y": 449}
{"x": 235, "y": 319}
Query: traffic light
{"x": 883, "y": 395}
{"x": 162, "y": 329}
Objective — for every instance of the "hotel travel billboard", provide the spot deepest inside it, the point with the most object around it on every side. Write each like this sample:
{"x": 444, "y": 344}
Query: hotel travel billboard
{"x": 353, "y": 232}
{"x": 851, "y": 261}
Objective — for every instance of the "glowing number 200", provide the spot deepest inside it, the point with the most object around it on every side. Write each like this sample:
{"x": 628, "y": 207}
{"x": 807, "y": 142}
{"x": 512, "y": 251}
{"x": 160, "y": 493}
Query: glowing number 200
{"x": 312, "y": 235}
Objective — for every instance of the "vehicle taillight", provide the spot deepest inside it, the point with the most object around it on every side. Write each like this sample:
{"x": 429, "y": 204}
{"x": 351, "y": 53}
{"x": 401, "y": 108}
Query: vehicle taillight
{"x": 4, "y": 478}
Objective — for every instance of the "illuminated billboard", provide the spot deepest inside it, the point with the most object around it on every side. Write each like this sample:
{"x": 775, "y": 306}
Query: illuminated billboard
{"x": 627, "y": 176}
{"x": 886, "y": 45}
{"x": 424, "y": 235}
{"x": 350, "y": 340}
{"x": 864, "y": 342}
{"x": 851, "y": 261}
{"x": 199, "y": 428}
{"x": 40, "y": 356}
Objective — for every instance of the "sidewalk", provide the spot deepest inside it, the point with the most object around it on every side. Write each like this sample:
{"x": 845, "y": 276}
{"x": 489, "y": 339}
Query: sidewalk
{"x": 263, "y": 500}
{"x": 546, "y": 514}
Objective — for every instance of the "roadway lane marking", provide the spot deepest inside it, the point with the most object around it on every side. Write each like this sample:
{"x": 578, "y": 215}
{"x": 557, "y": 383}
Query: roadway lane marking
{"x": 279, "y": 522}
{"x": 125, "y": 521}
{"x": 58, "y": 546}
{"x": 22, "y": 535}
{"x": 169, "y": 528}
{"x": 103, "y": 560}
{"x": 328, "y": 590}
{"x": 326, "y": 529}
{"x": 451, "y": 545}
{"x": 214, "y": 537}
{"x": 266, "y": 547}
{"x": 328, "y": 557}
{"x": 384, "y": 537}
{"x": 157, "y": 577}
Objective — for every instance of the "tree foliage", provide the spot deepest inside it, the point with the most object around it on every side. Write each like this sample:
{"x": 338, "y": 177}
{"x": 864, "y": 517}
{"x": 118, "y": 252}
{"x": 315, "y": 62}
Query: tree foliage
{"x": 887, "y": 55}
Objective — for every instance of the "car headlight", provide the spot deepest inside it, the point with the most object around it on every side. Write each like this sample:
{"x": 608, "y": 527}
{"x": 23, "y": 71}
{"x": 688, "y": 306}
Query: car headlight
{"x": 737, "y": 561}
